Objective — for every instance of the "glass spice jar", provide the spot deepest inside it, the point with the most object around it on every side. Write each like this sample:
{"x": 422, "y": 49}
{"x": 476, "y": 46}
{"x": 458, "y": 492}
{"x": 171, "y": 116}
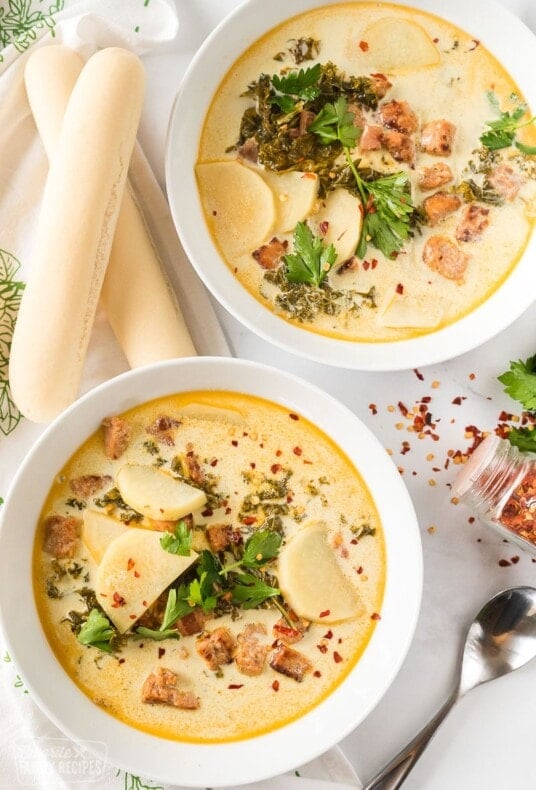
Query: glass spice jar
{"x": 498, "y": 483}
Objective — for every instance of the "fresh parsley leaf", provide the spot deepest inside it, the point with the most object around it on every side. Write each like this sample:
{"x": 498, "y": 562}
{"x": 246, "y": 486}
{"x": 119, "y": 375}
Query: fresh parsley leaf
{"x": 260, "y": 548}
{"x": 311, "y": 260}
{"x": 201, "y": 593}
{"x": 520, "y": 382}
{"x": 529, "y": 150}
{"x": 177, "y": 606}
{"x": 156, "y": 636}
{"x": 180, "y": 542}
{"x": 387, "y": 212}
{"x": 502, "y": 132}
{"x": 336, "y": 122}
{"x": 524, "y": 438}
{"x": 296, "y": 86}
{"x": 97, "y": 631}
{"x": 250, "y": 591}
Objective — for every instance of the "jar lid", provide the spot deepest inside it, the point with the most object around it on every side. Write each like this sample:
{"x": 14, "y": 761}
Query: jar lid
{"x": 475, "y": 465}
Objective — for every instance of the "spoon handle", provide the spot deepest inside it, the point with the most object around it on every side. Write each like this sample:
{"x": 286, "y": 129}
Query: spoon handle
{"x": 395, "y": 772}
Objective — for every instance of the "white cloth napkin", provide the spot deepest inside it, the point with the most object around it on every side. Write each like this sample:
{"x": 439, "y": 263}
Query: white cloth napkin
{"x": 33, "y": 752}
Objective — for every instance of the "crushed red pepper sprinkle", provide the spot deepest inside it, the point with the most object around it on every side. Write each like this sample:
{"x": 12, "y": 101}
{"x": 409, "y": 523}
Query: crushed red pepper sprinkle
{"x": 297, "y": 450}
{"x": 337, "y": 657}
{"x": 375, "y": 616}
{"x": 325, "y": 613}
{"x": 275, "y": 685}
{"x": 293, "y": 416}
{"x": 235, "y": 685}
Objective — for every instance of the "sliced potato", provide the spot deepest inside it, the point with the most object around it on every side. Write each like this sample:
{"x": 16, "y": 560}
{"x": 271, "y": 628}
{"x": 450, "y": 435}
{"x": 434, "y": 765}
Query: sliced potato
{"x": 156, "y": 494}
{"x": 396, "y": 44}
{"x": 312, "y": 581}
{"x": 133, "y": 572}
{"x": 98, "y": 531}
{"x": 238, "y": 204}
{"x": 202, "y": 411}
{"x": 338, "y": 222}
{"x": 294, "y": 194}
{"x": 416, "y": 311}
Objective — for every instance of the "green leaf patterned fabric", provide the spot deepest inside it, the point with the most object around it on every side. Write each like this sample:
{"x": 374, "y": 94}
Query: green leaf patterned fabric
{"x": 10, "y": 296}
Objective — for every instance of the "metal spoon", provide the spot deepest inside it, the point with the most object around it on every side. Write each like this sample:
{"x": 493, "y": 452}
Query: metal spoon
{"x": 501, "y": 638}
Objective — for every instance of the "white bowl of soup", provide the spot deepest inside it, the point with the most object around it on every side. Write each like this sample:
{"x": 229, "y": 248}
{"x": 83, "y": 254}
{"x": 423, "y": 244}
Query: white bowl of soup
{"x": 356, "y": 182}
{"x": 212, "y": 572}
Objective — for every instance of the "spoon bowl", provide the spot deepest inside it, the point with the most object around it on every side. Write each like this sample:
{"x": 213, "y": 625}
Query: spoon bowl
{"x": 501, "y": 638}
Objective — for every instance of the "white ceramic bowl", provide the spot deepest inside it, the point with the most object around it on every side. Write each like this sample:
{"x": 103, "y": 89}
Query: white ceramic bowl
{"x": 201, "y": 765}
{"x": 488, "y": 22}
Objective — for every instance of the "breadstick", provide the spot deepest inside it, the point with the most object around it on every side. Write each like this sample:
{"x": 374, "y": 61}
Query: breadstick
{"x": 74, "y": 233}
{"x": 138, "y": 299}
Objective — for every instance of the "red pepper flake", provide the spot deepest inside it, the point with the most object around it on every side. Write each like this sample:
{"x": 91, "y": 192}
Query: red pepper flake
{"x": 161, "y": 651}
{"x": 476, "y": 42}
{"x": 354, "y": 541}
{"x": 275, "y": 685}
{"x": 418, "y": 374}
{"x": 235, "y": 685}
{"x": 366, "y": 265}
{"x": 504, "y": 563}
{"x": 457, "y": 401}
{"x": 328, "y": 634}
{"x": 363, "y": 46}
{"x": 373, "y": 408}
{"x": 406, "y": 447}
{"x": 317, "y": 674}
{"x": 118, "y": 600}
{"x": 252, "y": 464}
{"x": 514, "y": 560}
{"x": 275, "y": 468}
{"x": 214, "y": 462}
{"x": 399, "y": 288}
{"x": 278, "y": 453}
{"x": 248, "y": 520}
{"x": 435, "y": 40}
{"x": 337, "y": 657}
{"x": 133, "y": 617}
{"x": 137, "y": 574}
{"x": 472, "y": 376}
{"x": 297, "y": 451}
{"x": 403, "y": 408}
{"x": 293, "y": 416}
{"x": 373, "y": 263}
{"x": 426, "y": 399}
{"x": 325, "y": 613}
{"x": 121, "y": 661}
{"x": 234, "y": 443}
{"x": 375, "y": 616}
{"x": 471, "y": 519}
{"x": 289, "y": 498}
{"x": 130, "y": 564}
{"x": 145, "y": 603}
{"x": 228, "y": 510}
{"x": 323, "y": 648}
{"x": 323, "y": 227}
{"x": 207, "y": 512}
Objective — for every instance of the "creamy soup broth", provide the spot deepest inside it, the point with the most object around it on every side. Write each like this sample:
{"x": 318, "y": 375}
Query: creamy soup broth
{"x": 410, "y": 298}
{"x": 265, "y": 442}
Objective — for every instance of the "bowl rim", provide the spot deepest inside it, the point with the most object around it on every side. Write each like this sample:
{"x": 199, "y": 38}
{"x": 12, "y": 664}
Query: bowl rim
{"x": 195, "y": 93}
{"x": 236, "y": 762}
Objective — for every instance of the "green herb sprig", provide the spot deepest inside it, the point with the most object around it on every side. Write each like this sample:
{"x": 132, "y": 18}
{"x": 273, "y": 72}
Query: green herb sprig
{"x": 296, "y": 86}
{"x": 311, "y": 260}
{"x": 502, "y": 132}
{"x": 97, "y": 631}
{"x": 520, "y": 384}
{"x": 386, "y": 201}
{"x": 180, "y": 542}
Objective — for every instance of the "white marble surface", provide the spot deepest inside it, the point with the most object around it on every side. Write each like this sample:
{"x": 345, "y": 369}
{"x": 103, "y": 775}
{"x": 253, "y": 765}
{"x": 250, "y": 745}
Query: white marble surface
{"x": 486, "y": 743}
